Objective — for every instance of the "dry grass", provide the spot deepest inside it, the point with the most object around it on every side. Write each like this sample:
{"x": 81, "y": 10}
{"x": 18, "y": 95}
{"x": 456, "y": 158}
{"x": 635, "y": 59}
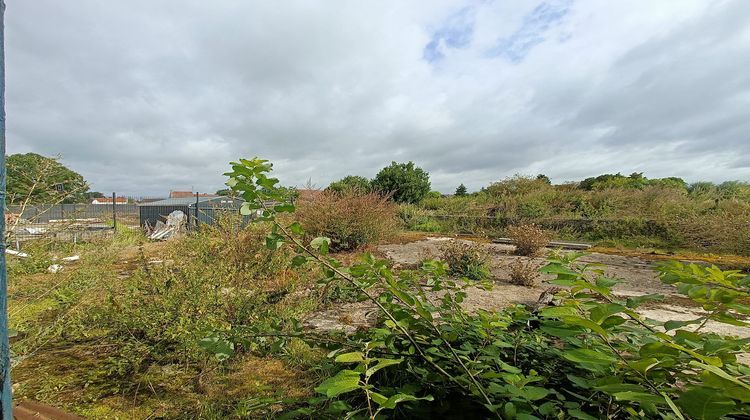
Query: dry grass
{"x": 529, "y": 239}
{"x": 524, "y": 272}
{"x": 351, "y": 220}
{"x": 468, "y": 260}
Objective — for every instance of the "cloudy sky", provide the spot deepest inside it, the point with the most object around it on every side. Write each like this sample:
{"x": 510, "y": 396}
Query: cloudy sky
{"x": 145, "y": 96}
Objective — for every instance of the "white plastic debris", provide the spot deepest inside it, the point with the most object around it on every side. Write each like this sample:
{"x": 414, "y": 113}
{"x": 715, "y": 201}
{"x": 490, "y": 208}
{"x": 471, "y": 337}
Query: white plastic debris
{"x": 35, "y": 230}
{"x": 175, "y": 225}
{"x": 72, "y": 258}
{"x": 54, "y": 268}
{"x": 16, "y": 253}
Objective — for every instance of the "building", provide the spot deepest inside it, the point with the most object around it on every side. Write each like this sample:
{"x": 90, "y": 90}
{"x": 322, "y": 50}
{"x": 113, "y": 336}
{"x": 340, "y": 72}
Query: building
{"x": 108, "y": 200}
{"x": 188, "y": 194}
{"x": 207, "y": 209}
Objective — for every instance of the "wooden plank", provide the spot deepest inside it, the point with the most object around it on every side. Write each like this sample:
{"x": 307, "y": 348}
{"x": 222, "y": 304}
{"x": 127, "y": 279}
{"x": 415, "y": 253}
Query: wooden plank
{"x": 33, "y": 410}
{"x": 553, "y": 244}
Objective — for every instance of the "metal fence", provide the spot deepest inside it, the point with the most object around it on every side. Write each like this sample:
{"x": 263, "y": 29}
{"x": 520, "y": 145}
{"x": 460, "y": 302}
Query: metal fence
{"x": 66, "y": 221}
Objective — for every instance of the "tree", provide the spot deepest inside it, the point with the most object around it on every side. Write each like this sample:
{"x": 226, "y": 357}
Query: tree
{"x": 407, "y": 183}
{"x": 225, "y": 192}
{"x": 351, "y": 182}
{"x": 461, "y": 190}
{"x": 544, "y": 178}
{"x": 34, "y": 179}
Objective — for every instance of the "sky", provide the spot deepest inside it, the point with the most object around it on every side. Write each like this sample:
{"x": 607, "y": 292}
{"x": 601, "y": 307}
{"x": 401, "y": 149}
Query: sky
{"x": 143, "y": 97}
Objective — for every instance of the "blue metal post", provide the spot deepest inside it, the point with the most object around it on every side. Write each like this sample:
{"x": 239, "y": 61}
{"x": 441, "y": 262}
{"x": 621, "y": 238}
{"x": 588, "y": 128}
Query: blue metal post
{"x": 6, "y": 403}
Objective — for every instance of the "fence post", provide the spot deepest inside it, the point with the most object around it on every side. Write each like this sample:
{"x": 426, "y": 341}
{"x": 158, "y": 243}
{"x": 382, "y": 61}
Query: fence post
{"x": 114, "y": 212}
{"x": 6, "y": 402}
{"x": 196, "y": 210}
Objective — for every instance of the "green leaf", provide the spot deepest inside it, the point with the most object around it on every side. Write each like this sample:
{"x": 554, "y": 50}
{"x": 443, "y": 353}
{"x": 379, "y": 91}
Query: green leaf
{"x": 321, "y": 244}
{"x": 284, "y": 208}
{"x": 636, "y": 301}
{"x": 274, "y": 242}
{"x": 578, "y": 414}
{"x": 600, "y": 312}
{"x": 218, "y": 346}
{"x": 533, "y": 393}
{"x": 299, "y": 260}
{"x": 344, "y": 381}
{"x": 246, "y": 209}
{"x": 673, "y": 325}
{"x": 381, "y": 364}
{"x": 705, "y": 404}
{"x": 639, "y": 397}
{"x": 588, "y": 356}
{"x": 350, "y": 357}
{"x": 399, "y": 398}
{"x": 296, "y": 228}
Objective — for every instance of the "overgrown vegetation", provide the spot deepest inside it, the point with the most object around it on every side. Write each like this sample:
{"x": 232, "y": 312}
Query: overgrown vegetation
{"x": 523, "y": 272}
{"x": 469, "y": 260}
{"x": 589, "y": 356}
{"x": 118, "y": 333}
{"x": 350, "y": 218}
{"x": 610, "y": 210}
{"x": 529, "y": 240}
{"x": 212, "y": 326}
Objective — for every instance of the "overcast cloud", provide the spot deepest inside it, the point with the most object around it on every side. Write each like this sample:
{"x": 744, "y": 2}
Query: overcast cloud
{"x": 146, "y": 96}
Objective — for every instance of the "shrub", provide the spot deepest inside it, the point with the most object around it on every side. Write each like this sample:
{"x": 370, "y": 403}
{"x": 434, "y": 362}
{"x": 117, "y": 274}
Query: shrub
{"x": 466, "y": 260}
{"x": 523, "y": 272}
{"x": 351, "y": 182}
{"x": 350, "y": 219}
{"x": 529, "y": 239}
{"x": 407, "y": 183}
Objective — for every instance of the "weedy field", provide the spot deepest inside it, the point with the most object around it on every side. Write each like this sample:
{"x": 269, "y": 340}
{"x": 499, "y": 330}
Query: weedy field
{"x": 323, "y": 309}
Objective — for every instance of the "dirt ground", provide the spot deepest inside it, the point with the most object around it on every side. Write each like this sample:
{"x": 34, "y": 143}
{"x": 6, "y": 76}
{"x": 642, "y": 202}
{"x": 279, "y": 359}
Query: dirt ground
{"x": 638, "y": 276}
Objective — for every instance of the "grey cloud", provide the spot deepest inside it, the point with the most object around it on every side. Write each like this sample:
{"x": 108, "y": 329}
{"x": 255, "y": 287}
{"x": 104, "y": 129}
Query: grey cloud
{"x": 143, "y": 97}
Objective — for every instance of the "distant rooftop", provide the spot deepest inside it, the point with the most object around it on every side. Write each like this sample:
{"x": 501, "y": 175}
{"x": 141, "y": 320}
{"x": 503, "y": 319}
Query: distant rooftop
{"x": 186, "y": 194}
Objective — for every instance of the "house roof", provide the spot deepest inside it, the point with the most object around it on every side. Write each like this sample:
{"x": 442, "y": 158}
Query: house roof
{"x": 190, "y": 201}
{"x": 109, "y": 200}
{"x": 186, "y": 194}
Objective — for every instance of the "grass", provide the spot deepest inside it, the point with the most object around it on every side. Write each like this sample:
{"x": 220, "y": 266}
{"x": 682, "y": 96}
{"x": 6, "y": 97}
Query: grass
{"x": 115, "y": 334}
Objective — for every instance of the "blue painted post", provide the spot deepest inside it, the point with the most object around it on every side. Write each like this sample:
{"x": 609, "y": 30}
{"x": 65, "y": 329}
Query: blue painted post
{"x": 6, "y": 402}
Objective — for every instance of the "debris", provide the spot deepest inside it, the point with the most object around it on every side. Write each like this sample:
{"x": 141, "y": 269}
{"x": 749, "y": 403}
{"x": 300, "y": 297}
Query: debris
{"x": 16, "y": 253}
{"x": 54, "y": 268}
{"x": 72, "y": 258}
{"x": 35, "y": 230}
{"x": 175, "y": 225}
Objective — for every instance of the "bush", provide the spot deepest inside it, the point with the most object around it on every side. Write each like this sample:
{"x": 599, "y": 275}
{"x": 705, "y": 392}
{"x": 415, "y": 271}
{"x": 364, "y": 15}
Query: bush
{"x": 529, "y": 239}
{"x": 351, "y": 182}
{"x": 350, "y": 219}
{"x": 407, "y": 183}
{"x": 523, "y": 272}
{"x": 466, "y": 260}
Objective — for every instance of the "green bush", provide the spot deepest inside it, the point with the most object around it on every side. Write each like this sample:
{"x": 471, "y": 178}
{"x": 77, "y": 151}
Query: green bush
{"x": 351, "y": 182}
{"x": 406, "y": 182}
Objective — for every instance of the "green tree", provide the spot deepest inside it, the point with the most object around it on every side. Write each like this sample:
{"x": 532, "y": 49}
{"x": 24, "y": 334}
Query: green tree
{"x": 33, "y": 178}
{"x": 407, "y": 183}
{"x": 544, "y": 178}
{"x": 461, "y": 190}
{"x": 351, "y": 182}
